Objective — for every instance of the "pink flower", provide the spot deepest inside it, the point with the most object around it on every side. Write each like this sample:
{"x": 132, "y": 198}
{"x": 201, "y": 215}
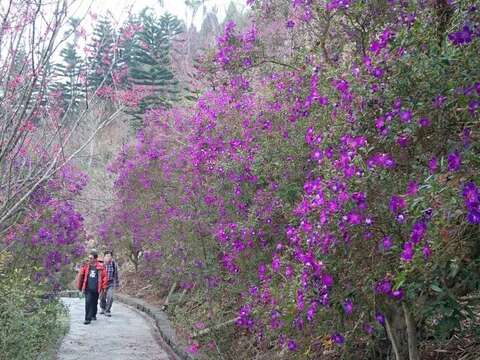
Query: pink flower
{"x": 194, "y": 347}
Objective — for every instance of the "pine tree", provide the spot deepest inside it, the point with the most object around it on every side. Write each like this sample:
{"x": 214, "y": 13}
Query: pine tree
{"x": 126, "y": 48}
{"x": 101, "y": 59}
{"x": 69, "y": 73}
{"x": 150, "y": 65}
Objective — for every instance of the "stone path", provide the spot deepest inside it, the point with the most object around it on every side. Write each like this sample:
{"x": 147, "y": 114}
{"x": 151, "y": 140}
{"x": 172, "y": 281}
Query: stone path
{"x": 127, "y": 335}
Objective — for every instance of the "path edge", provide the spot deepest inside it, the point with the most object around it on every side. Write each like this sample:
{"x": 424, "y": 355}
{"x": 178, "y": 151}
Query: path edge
{"x": 167, "y": 333}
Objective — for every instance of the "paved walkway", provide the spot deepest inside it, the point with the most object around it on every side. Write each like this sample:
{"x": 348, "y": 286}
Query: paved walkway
{"x": 127, "y": 335}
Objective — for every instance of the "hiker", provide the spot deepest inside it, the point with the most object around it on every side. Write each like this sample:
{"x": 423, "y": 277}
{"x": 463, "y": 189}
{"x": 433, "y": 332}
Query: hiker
{"x": 106, "y": 299}
{"x": 92, "y": 280}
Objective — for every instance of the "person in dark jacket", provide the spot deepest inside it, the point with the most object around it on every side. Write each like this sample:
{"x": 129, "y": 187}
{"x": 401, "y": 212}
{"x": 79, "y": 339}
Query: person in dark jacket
{"x": 106, "y": 299}
{"x": 92, "y": 281}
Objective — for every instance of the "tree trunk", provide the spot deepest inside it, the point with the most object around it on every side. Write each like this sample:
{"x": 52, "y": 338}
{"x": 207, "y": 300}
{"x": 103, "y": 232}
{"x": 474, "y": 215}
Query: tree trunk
{"x": 411, "y": 334}
{"x": 392, "y": 338}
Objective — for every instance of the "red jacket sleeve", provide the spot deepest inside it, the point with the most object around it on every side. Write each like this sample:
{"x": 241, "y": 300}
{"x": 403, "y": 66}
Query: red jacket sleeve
{"x": 80, "y": 278}
{"x": 104, "y": 278}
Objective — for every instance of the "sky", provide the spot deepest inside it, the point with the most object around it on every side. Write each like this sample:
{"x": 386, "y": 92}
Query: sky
{"x": 119, "y": 8}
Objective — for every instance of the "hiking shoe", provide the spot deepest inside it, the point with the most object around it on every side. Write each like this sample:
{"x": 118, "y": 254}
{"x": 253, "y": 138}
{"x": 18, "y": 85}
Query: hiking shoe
{"x": 86, "y": 322}
{"x": 108, "y": 314}
{"x": 94, "y": 318}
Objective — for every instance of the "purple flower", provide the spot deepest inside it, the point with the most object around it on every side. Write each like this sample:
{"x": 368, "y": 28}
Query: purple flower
{"x": 323, "y": 100}
{"x": 418, "y": 231}
{"x": 289, "y": 272}
{"x": 275, "y": 321}
{"x": 44, "y": 233}
{"x": 348, "y": 306}
{"x": 471, "y": 195}
{"x": 473, "y": 217}
{"x": 387, "y": 243}
{"x": 368, "y": 328}
{"x": 425, "y": 122}
{"x": 397, "y": 204}
{"x": 53, "y": 261}
{"x": 354, "y": 218}
{"x": 381, "y": 160}
{"x": 337, "y": 4}
{"x": 244, "y": 317}
{"x": 408, "y": 252}
{"x": 327, "y": 280}
{"x": 473, "y": 106}
{"x": 367, "y": 61}
{"x": 397, "y": 104}
{"x": 454, "y": 161}
{"x": 262, "y": 269}
{"x": 397, "y": 294}
{"x": 375, "y": 47}
{"x": 312, "y": 310}
{"x": 292, "y": 345}
{"x": 427, "y": 252}
{"x": 276, "y": 263}
{"x": 403, "y": 141}
{"x": 406, "y": 116}
{"x": 439, "y": 101}
{"x": 412, "y": 188}
{"x": 462, "y": 37}
{"x": 299, "y": 323}
{"x": 378, "y": 72}
{"x": 338, "y": 338}
{"x": 290, "y": 24}
{"x": 300, "y": 301}
{"x": 433, "y": 165}
{"x": 380, "y": 318}
{"x": 253, "y": 291}
{"x": 383, "y": 286}
{"x": 341, "y": 85}
{"x": 380, "y": 123}
{"x": 247, "y": 62}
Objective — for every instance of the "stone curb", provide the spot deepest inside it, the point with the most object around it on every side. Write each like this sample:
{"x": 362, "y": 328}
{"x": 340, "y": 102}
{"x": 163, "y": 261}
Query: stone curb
{"x": 161, "y": 321}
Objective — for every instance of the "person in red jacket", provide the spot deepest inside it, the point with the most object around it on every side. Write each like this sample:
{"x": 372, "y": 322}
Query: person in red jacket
{"x": 92, "y": 280}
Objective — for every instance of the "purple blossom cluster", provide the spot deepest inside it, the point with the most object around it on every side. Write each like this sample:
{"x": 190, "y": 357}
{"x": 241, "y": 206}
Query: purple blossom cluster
{"x": 291, "y": 180}
{"x": 51, "y": 234}
{"x": 471, "y": 196}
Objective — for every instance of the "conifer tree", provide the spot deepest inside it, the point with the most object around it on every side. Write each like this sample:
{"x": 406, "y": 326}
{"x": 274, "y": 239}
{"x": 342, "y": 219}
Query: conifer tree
{"x": 101, "y": 58}
{"x": 150, "y": 65}
{"x": 69, "y": 72}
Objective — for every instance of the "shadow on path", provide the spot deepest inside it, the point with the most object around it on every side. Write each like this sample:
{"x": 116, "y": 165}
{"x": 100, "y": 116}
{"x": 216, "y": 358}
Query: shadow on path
{"x": 126, "y": 335}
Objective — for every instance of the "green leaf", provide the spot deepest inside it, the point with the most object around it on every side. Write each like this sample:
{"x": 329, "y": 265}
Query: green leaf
{"x": 400, "y": 280}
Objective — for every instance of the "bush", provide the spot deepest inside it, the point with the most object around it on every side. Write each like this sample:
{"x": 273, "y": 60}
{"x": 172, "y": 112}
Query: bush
{"x": 29, "y": 320}
{"x": 332, "y": 191}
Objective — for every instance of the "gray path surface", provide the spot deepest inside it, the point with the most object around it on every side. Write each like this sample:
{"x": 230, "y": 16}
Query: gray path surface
{"x": 127, "y": 335}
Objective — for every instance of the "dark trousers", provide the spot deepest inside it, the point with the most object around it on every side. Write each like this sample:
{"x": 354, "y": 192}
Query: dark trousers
{"x": 91, "y": 302}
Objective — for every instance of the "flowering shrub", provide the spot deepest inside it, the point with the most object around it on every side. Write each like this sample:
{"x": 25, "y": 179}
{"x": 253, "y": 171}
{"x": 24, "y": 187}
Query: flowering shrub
{"x": 50, "y": 237}
{"x": 329, "y": 193}
{"x": 36, "y": 261}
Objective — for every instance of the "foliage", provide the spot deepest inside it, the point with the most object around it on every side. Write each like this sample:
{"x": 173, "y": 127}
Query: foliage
{"x": 322, "y": 194}
{"x": 102, "y": 55}
{"x": 29, "y": 320}
{"x": 332, "y": 189}
{"x": 149, "y": 65}
{"x": 72, "y": 70}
